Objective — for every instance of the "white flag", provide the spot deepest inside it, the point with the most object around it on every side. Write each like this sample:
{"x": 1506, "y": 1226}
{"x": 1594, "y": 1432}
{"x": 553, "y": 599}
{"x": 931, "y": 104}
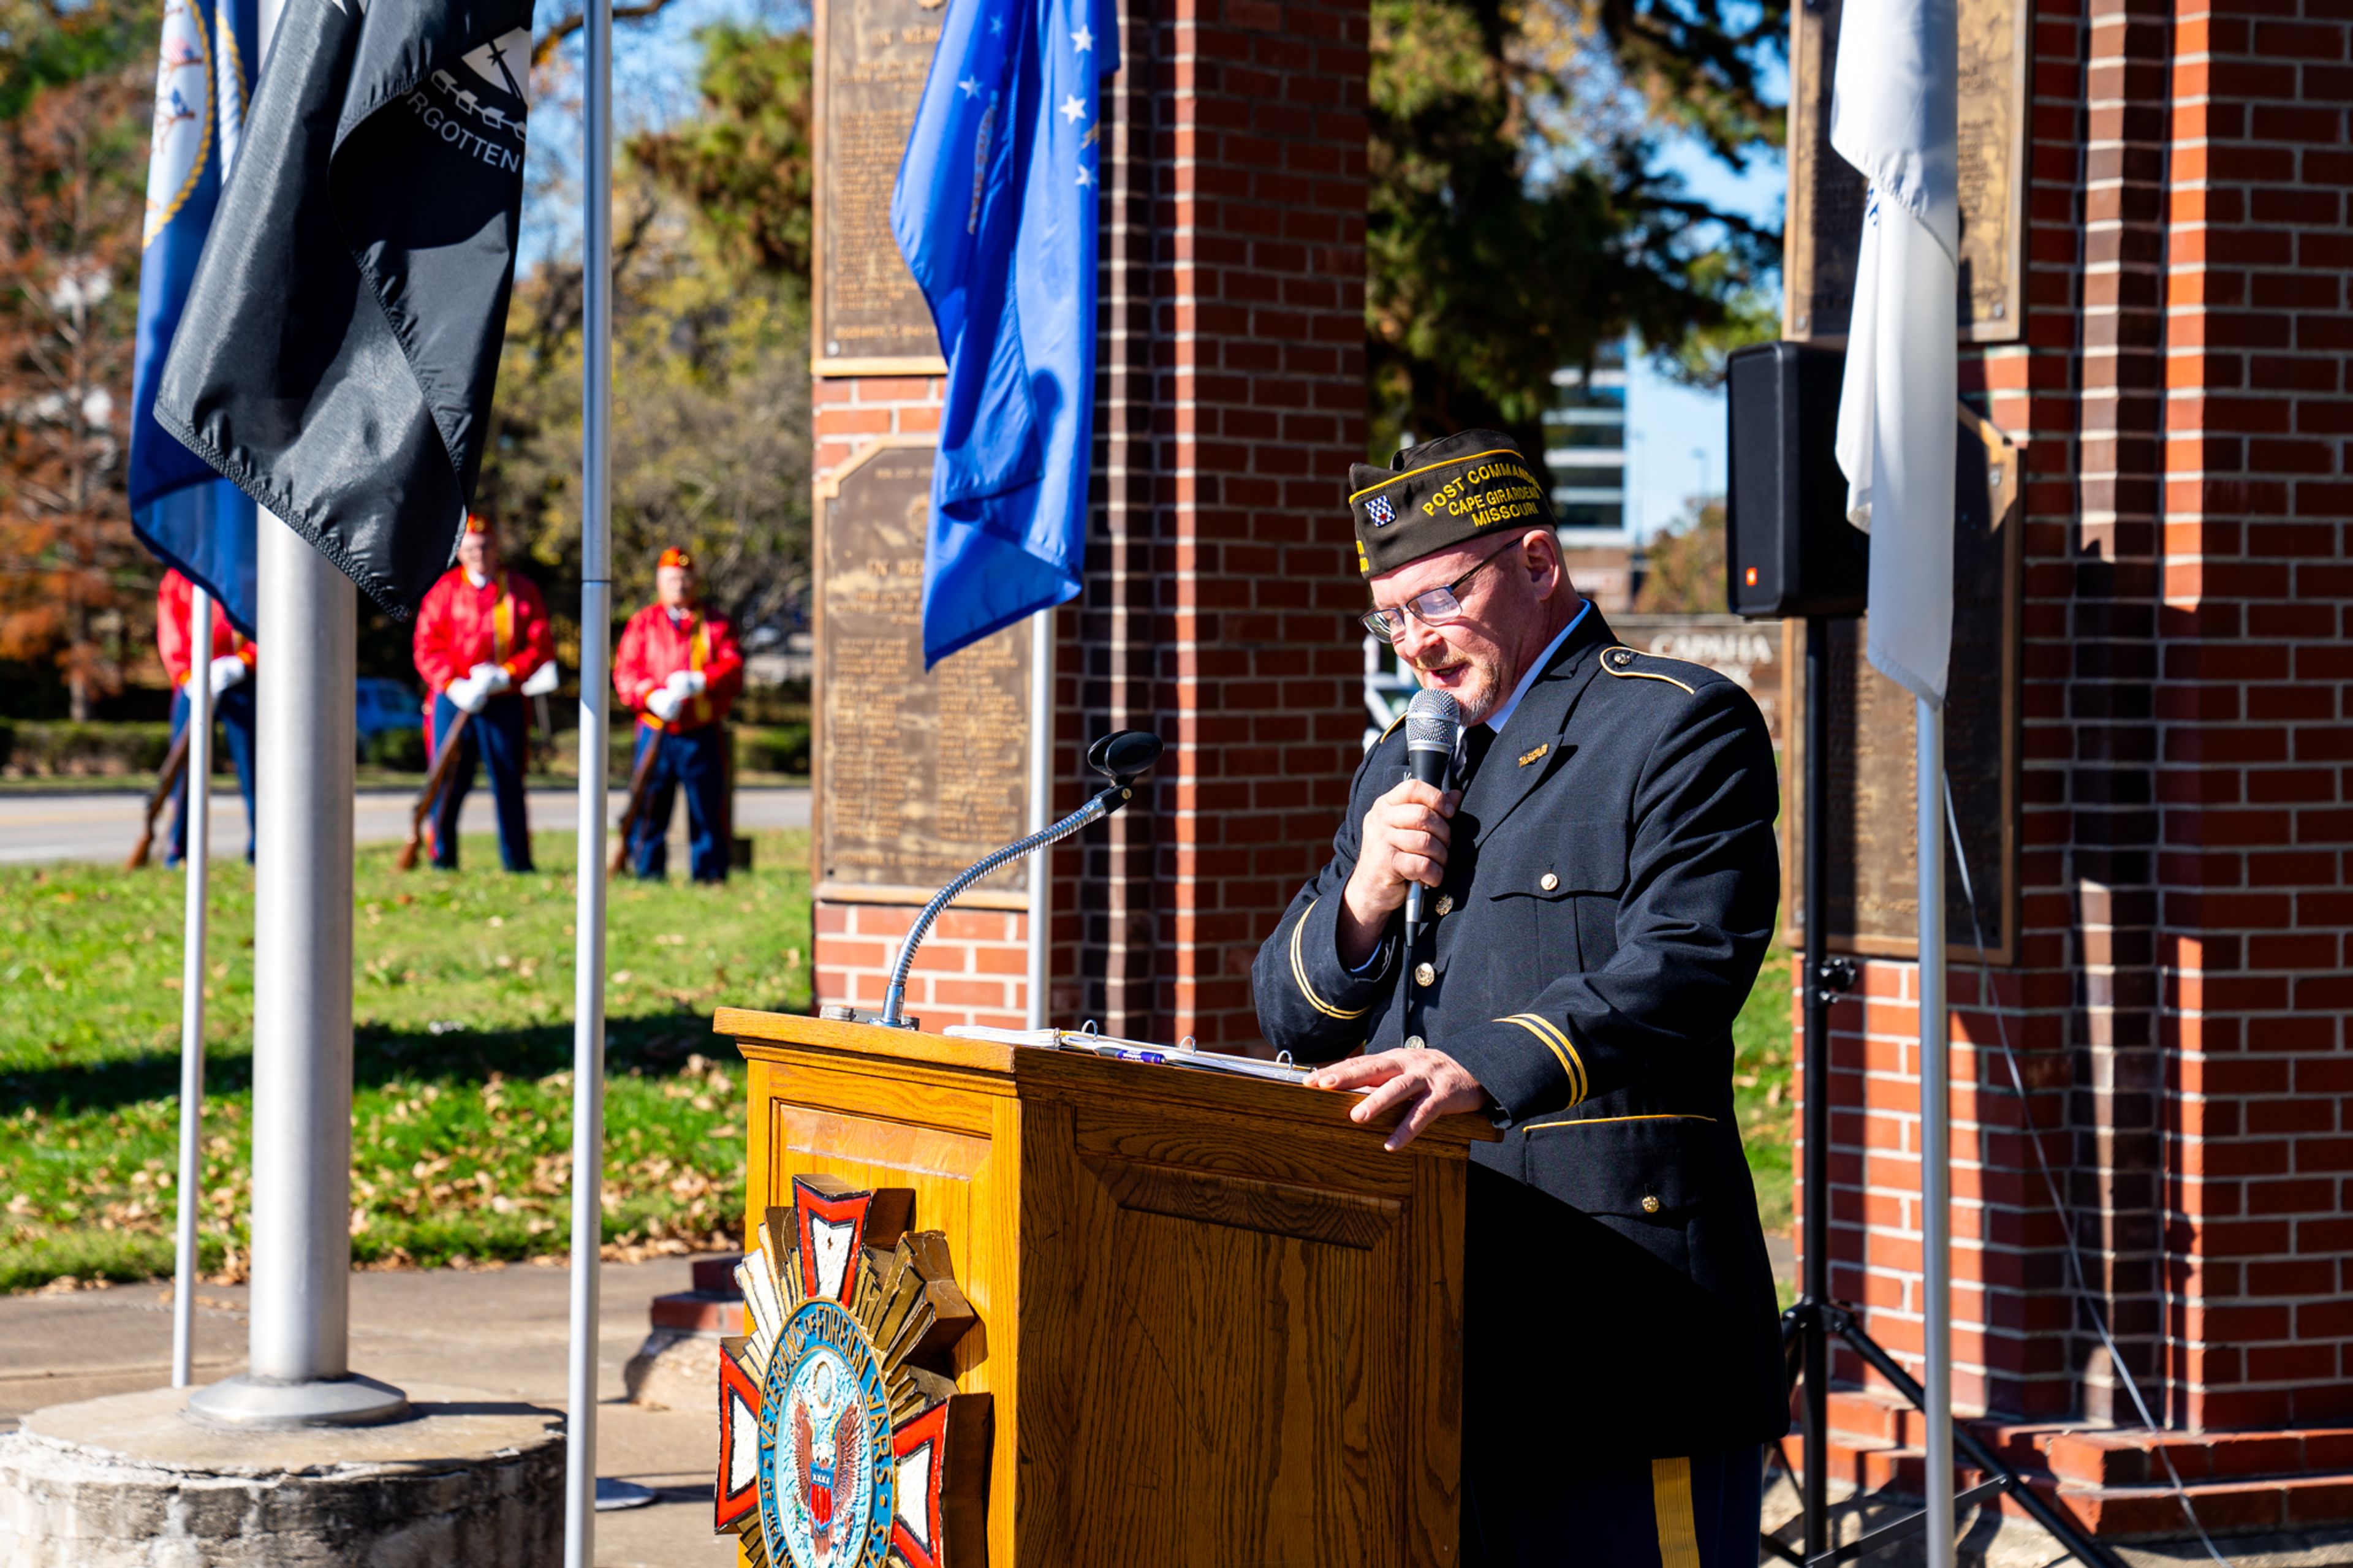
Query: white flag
{"x": 1895, "y": 114}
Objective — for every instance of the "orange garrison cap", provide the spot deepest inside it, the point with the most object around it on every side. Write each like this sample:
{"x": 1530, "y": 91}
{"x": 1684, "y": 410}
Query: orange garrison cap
{"x": 477, "y": 523}
{"x": 674, "y": 556}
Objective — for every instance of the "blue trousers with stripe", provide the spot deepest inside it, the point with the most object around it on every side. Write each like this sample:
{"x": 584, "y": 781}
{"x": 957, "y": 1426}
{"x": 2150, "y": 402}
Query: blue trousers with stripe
{"x": 233, "y": 710}
{"x": 694, "y": 760}
{"x": 498, "y": 738}
{"x": 1697, "y": 1512}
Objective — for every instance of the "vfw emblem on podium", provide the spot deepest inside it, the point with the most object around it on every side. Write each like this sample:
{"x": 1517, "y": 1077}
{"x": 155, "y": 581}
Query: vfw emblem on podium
{"x": 842, "y": 1441}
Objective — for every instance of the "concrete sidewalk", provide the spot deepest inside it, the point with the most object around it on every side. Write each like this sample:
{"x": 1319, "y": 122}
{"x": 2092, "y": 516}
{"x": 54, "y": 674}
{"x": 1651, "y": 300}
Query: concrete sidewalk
{"x": 499, "y": 1329}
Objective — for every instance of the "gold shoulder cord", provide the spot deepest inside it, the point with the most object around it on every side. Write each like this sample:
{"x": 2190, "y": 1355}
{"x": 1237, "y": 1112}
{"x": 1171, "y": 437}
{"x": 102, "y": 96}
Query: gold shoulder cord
{"x": 1619, "y": 661}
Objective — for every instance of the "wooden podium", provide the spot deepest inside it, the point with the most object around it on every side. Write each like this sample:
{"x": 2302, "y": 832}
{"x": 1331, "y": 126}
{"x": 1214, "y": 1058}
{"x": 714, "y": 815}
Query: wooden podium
{"x": 1218, "y": 1322}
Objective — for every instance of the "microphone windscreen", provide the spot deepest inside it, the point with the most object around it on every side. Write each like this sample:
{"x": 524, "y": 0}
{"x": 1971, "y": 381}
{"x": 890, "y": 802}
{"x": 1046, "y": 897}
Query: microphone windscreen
{"x": 1432, "y": 721}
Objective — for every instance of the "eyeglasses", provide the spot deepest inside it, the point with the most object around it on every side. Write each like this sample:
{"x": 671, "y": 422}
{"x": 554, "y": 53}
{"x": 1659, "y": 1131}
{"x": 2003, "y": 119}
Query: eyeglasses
{"x": 1436, "y": 608}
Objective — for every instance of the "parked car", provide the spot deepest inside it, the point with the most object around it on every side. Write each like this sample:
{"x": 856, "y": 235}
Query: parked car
{"x": 386, "y": 704}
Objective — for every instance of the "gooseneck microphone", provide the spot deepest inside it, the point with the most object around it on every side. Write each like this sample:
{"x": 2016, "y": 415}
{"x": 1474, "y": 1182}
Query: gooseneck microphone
{"x": 1119, "y": 756}
{"x": 1433, "y": 723}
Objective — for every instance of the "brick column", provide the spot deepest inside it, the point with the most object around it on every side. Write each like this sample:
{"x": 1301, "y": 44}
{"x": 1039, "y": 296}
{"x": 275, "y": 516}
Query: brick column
{"x": 2178, "y": 1000}
{"x": 1222, "y": 582}
{"x": 2253, "y": 915}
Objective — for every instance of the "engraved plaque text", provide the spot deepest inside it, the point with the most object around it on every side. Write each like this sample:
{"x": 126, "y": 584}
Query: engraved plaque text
{"x": 872, "y": 57}
{"x": 1873, "y": 900}
{"x": 1824, "y": 228}
{"x": 918, "y": 775}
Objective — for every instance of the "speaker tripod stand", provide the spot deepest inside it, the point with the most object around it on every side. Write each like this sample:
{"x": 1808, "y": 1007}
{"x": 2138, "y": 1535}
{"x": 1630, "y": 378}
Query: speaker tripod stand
{"x": 1809, "y": 1325}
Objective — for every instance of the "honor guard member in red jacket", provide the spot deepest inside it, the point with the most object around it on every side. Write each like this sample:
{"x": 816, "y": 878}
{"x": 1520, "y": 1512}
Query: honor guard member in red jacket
{"x": 678, "y": 666}
{"x": 228, "y": 666}
{"x": 480, "y": 632}
{"x": 1602, "y": 878}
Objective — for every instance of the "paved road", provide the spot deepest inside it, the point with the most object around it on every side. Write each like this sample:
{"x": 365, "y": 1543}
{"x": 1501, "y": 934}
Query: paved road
{"x": 103, "y": 827}
{"x": 499, "y": 1329}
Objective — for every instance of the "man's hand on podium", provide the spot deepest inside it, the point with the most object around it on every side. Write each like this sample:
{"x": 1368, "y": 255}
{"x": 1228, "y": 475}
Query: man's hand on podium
{"x": 1431, "y": 1083}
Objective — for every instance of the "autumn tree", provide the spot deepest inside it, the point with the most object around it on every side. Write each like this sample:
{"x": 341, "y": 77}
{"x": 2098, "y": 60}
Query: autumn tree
{"x": 72, "y": 176}
{"x": 1516, "y": 218}
{"x": 711, "y": 433}
{"x": 1683, "y": 570}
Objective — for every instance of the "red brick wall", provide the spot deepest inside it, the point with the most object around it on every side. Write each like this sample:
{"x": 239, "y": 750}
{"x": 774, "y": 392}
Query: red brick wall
{"x": 973, "y": 967}
{"x": 1258, "y": 400}
{"x": 2178, "y": 1000}
{"x": 1220, "y": 579}
{"x": 2254, "y": 740}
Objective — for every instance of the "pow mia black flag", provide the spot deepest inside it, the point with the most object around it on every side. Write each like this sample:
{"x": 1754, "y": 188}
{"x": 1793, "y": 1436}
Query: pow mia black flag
{"x": 341, "y": 336}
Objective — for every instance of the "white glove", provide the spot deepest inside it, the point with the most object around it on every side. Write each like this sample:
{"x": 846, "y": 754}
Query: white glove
{"x": 688, "y": 683}
{"x": 492, "y": 679}
{"x": 227, "y": 671}
{"x": 542, "y": 681}
{"x": 663, "y": 702}
{"x": 468, "y": 692}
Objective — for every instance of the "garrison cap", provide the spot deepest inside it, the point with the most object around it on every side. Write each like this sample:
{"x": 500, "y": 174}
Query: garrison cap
{"x": 1439, "y": 494}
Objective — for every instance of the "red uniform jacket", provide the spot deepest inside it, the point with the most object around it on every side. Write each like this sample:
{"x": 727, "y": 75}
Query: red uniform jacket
{"x": 654, "y": 647}
{"x": 172, "y": 630}
{"x": 504, "y": 622}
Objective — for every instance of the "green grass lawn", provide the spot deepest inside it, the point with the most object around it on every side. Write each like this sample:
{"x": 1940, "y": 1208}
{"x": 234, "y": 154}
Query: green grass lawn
{"x": 461, "y": 1122}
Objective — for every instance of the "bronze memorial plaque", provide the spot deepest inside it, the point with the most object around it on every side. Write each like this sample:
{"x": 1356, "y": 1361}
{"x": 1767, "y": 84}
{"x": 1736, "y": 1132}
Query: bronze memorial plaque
{"x": 1873, "y": 894}
{"x": 917, "y": 775}
{"x": 868, "y": 316}
{"x": 1824, "y": 226}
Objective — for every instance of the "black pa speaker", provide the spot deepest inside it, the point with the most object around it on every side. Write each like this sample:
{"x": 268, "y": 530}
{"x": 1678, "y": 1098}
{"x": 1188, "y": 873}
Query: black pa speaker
{"x": 1788, "y": 549}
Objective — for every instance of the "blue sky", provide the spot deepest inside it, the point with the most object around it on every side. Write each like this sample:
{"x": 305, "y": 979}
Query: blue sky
{"x": 1676, "y": 439}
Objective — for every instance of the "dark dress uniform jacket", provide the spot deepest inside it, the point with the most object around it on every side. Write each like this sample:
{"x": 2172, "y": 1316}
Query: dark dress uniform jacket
{"x": 1609, "y": 892}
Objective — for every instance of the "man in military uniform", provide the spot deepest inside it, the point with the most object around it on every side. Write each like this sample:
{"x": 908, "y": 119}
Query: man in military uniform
{"x": 1602, "y": 876}
{"x": 482, "y": 632}
{"x": 679, "y": 666}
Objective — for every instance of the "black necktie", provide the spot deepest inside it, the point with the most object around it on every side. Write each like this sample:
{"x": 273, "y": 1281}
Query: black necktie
{"x": 1476, "y": 743}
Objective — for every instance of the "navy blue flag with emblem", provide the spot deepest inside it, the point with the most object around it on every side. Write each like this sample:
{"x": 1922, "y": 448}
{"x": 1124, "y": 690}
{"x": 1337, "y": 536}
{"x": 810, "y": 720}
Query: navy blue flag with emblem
{"x": 996, "y": 214}
{"x": 188, "y": 515}
{"x": 341, "y": 340}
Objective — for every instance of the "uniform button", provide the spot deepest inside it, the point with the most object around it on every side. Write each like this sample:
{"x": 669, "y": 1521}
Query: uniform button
{"x": 1548, "y": 882}
{"x": 1649, "y": 1206}
{"x": 1413, "y": 1042}
{"x": 1423, "y": 974}
{"x": 1445, "y": 904}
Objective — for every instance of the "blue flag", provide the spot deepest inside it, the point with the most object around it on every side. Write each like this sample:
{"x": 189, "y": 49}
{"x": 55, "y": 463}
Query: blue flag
{"x": 996, "y": 214}
{"x": 183, "y": 512}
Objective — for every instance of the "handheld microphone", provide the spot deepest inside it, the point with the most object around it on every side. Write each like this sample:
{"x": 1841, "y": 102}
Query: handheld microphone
{"x": 1433, "y": 723}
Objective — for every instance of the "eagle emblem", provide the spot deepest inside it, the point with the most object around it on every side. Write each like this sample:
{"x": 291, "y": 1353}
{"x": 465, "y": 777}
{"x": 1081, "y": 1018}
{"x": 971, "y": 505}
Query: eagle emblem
{"x": 843, "y": 1440}
{"x": 1379, "y": 509}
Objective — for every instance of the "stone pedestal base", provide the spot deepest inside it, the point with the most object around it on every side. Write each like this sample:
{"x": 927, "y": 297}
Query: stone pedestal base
{"x": 133, "y": 1482}
{"x": 675, "y": 1369}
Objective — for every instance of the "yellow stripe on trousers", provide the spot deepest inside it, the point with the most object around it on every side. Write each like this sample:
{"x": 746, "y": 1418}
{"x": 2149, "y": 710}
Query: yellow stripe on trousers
{"x": 1671, "y": 1496}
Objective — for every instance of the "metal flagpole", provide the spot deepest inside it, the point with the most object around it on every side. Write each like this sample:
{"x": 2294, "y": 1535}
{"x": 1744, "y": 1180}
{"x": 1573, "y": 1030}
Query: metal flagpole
{"x": 1041, "y": 805}
{"x": 196, "y": 813}
{"x": 299, "y": 1339}
{"x": 596, "y": 706}
{"x": 1936, "y": 1137}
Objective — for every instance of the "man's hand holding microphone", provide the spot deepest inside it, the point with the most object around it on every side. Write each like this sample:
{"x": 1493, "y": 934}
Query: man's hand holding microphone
{"x": 1403, "y": 851}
